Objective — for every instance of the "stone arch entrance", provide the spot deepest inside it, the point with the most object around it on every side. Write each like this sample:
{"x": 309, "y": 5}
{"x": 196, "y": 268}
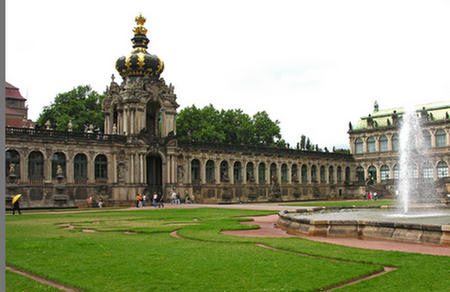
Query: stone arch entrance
{"x": 154, "y": 173}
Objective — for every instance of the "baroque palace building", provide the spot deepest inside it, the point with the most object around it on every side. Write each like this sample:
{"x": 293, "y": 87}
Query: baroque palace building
{"x": 140, "y": 152}
{"x": 375, "y": 146}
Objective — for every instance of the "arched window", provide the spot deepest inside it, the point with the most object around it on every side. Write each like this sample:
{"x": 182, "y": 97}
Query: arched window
{"x": 101, "y": 167}
{"x": 35, "y": 165}
{"x": 372, "y": 171}
{"x": 383, "y": 144}
{"x": 273, "y": 172}
{"x": 313, "y": 174}
{"x": 359, "y": 146}
{"x": 250, "y": 172}
{"x": 322, "y": 174}
{"x": 58, "y": 159}
{"x": 441, "y": 138}
{"x": 294, "y": 173}
{"x": 195, "y": 170}
{"x": 395, "y": 142}
{"x": 396, "y": 171}
{"x": 210, "y": 175}
{"x": 384, "y": 173}
{"x": 427, "y": 170}
{"x": 426, "y": 139}
{"x": 80, "y": 166}
{"x": 347, "y": 174}
{"x": 360, "y": 173}
{"x": 339, "y": 174}
{"x": 412, "y": 170}
{"x": 262, "y": 172}
{"x": 304, "y": 173}
{"x": 331, "y": 174}
{"x": 371, "y": 145}
{"x": 442, "y": 169}
{"x": 284, "y": 173}
{"x": 12, "y": 162}
{"x": 237, "y": 172}
{"x": 224, "y": 171}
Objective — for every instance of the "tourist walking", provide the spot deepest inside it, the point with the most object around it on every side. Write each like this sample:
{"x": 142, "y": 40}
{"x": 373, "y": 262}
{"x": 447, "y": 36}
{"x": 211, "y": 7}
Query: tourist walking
{"x": 137, "y": 200}
{"x": 178, "y": 200}
{"x": 161, "y": 201}
{"x": 173, "y": 196}
{"x": 155, "y": 199}
{"x": 141, "y": 200}
{"x": 144, "y": 199}
{"x": 16, "y": 207}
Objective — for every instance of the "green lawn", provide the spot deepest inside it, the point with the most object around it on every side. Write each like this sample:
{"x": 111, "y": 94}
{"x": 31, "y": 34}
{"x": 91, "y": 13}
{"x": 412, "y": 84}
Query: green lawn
{"x": 343, "y": 203}
{"x": 152, "y": 260}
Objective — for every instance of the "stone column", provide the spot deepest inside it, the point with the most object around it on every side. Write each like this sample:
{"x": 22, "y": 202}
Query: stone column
{"x": 433, "y": 137}
{"x": 125, "y": 121}
{"x": 217, "y": 171}
{"x": 202, "y": 170}
{"x": 131, "y": 168}
{"x": 244, "y": 172}
{"x": 48, "y": 166}
{"x": 289, "y": 173}
{"x": 91, "y": 167}
{"x": 113, "y": 176}
{"x": 24, "y": 166}
{"x": 69, "y": 169}
{"x": 279, "y": 172}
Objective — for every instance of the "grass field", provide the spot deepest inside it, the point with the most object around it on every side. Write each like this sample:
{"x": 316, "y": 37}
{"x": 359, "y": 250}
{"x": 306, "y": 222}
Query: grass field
{"x": 343, "y": 203}
{"x": 133, "y": 251}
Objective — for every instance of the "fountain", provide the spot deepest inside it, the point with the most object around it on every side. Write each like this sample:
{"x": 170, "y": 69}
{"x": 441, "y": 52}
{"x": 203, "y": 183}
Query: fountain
{"x": 407, "y": 223}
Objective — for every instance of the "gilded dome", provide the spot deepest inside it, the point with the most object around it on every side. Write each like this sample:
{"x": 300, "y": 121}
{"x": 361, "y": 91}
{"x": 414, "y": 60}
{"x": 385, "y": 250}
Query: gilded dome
{"x": 139, "y": 62}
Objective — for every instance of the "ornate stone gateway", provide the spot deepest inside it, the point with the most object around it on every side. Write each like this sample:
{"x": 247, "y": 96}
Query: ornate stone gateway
{"x": 154, "y": 174}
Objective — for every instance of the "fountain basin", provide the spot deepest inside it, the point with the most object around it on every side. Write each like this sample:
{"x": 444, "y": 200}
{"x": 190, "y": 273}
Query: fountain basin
{"x": 379, "y": 224}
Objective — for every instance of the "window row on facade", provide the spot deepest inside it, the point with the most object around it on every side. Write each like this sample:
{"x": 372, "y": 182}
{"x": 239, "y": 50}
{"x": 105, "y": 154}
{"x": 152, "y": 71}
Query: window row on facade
{"x": 392, "y": 143}
{"x": 266, "y": 173}
{"x": 58, "y": 165}
{"x": 426, "y": 170}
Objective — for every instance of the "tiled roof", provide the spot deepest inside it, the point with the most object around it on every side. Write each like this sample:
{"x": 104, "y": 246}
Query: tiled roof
{"x": 381, "y": 117}
{"x": 12, "y": 92}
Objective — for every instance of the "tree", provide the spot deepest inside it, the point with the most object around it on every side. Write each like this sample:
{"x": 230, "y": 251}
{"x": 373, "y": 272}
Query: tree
{"x": 308, "y": 144}
{"x": 81, "y": 105}
{"x": 303, "y": 142}
{"x": 227, "y": 126}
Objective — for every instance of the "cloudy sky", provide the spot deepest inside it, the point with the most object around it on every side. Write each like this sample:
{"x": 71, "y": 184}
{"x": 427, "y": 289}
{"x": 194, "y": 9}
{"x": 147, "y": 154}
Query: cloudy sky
{"x": 312, "y": 65}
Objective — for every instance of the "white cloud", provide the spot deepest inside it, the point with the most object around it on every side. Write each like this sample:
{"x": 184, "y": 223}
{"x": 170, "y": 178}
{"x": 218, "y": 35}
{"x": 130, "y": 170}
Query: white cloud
{"x": 312, "y": 65}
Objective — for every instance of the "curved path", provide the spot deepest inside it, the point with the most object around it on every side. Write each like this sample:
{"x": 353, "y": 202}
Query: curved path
{"x": 268, "y": 228}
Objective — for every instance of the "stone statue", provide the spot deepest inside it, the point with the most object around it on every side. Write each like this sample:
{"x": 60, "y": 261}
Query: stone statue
{"x": 69, "y": 126}
{"x": 375, "y": 106}
{"x": 370, "y": 121}
{"x": 47, "y": 125}
{"x": 12, "y": 169}
{"x": 59, "y": 171}
{"x": 180, "y": 173}
{"x": 91, "y": 129}
{"x": 423, "y": 114}
{"x": 394, "y": 118}
{"x": 114, "y": 129}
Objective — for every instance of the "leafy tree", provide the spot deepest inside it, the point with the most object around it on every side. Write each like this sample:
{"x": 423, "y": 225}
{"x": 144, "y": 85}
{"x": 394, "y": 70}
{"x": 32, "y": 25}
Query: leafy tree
{"x": 308, "y": 145}
{"x": 81, "y": 105}
{"x": 303, "y": 142}
{"x": 227, "y": 126}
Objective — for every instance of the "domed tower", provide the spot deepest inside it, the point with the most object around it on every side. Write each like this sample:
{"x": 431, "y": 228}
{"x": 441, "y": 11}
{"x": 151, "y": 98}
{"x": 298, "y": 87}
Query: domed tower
{"x": 143, "y": 104}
